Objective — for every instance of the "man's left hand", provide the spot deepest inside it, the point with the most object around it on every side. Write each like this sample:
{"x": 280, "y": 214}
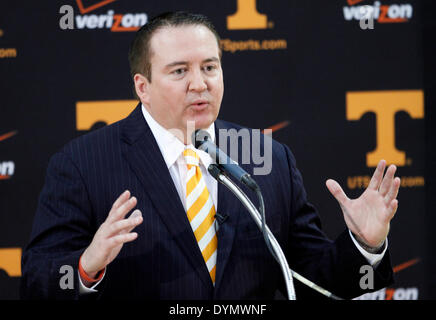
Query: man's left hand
{"x": 368, "y": 217}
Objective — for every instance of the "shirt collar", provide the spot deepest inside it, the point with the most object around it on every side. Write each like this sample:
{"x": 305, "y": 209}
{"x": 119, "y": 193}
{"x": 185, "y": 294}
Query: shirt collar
{"x": 171, "y": 147}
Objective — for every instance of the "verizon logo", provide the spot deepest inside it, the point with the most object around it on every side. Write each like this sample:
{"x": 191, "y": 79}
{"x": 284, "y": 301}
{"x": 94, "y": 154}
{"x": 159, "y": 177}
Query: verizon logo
{"x": 393, "y": 13}
{"x": 114, "y": 22}
{"x": 110, "y": 21}
{"x": 7, "y": 169}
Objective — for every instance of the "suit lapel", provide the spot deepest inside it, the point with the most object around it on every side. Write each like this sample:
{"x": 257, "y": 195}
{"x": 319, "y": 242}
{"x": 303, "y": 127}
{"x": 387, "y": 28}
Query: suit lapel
{"x": 146, "y": 160}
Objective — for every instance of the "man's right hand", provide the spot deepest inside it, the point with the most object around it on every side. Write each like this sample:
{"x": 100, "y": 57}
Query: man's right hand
{"x": 111, "y": 235}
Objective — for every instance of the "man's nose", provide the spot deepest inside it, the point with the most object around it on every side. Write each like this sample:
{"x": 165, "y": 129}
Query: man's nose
{"x": 197, "y": 82}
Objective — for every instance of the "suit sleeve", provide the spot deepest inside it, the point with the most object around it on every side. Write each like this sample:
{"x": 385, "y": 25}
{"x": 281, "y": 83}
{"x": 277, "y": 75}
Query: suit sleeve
{"x": 63, "y": 227}
{"x": 334, "y": 265}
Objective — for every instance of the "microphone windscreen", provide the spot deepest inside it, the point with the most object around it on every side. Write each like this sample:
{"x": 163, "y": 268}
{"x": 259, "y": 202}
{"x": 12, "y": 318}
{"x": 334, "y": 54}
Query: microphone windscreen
{"x": 199, "y": 137}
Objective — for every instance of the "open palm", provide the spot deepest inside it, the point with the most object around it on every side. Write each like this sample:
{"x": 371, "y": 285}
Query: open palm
{"x": 368, "y": 217}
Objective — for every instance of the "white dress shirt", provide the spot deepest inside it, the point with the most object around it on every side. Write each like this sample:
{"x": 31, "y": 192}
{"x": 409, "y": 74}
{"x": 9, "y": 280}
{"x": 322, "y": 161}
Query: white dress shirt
{"x": 172, "y": 152}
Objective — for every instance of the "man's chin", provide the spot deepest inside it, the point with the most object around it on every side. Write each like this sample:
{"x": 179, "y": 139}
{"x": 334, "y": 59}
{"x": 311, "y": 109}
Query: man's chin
{"x": 201, "y": 122}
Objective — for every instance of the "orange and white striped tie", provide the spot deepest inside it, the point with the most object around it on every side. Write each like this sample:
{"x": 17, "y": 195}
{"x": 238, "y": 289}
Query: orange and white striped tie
{"x": 201, "y": 211}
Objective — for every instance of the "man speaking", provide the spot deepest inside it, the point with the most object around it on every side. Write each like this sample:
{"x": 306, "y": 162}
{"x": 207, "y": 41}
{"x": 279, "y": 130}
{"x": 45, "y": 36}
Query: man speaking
{"x": 134, "y": 211}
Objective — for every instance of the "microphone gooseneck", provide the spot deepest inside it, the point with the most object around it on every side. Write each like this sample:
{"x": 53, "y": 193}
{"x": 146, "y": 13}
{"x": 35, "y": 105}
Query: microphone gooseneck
{"x": 274, "y": 247}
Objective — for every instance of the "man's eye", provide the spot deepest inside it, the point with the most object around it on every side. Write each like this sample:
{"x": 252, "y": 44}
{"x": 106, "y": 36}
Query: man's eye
{"x": 209, "y": 68}
{"x": 179, "y": 72}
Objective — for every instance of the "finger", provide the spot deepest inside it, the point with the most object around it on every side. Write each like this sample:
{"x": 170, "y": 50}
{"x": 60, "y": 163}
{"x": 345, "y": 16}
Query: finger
{"x": 135, "y": 214}
{"x": 122, "y": 238}
{"x": 121, "y": 199}
{"x": 377, "y": 176}
{"x": 121, "y": 211}
{"x": 337, "y": 192}
{"x": 393, "y": 206}
{"x": 393, "y": 191}
{"x": 119, "y": 202}
{"x": 125, "y": 225}
{"x": 387, "y": 180}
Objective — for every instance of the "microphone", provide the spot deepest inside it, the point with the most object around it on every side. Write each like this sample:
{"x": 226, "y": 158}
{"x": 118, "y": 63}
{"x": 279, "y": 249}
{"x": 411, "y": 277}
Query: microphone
{"x": 202, "y": 141}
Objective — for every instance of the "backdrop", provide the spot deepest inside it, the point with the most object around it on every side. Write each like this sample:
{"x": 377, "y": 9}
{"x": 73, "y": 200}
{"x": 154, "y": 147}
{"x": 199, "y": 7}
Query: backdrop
{"x": 340, "y": 82}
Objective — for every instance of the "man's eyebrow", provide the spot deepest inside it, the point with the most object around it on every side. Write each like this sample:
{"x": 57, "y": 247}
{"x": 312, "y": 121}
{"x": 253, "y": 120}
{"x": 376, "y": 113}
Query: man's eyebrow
{"x": 183, "y": 63}
{"x": 213, "y": 59}
{"x": 176, "y": 63}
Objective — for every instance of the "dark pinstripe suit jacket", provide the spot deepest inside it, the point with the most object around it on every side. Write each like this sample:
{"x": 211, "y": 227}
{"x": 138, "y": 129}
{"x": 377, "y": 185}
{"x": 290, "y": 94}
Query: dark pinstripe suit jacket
{"x": 164, "y": 262}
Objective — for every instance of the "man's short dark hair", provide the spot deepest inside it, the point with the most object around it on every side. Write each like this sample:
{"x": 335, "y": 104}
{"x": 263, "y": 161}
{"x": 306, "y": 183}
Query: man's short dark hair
{"x": 140, "y": 54}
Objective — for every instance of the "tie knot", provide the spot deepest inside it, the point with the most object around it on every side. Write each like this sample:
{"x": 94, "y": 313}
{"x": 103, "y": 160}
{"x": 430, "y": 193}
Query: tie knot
{"x": 191, "y": 157}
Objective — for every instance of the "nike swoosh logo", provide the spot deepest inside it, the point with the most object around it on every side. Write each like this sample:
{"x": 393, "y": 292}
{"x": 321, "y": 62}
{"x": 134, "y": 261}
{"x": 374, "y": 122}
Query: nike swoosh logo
{"x": 277, "y": 126}
{"x": 8, "y": 135}
{"x": 405, "y": 265}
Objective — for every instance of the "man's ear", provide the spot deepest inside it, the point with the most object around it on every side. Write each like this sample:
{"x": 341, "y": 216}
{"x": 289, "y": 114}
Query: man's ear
{"x": 142, "y": 88}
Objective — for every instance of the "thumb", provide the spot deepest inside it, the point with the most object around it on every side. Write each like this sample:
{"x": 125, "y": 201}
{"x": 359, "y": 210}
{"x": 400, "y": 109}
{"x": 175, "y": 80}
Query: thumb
{"x": 337, "y": 192}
